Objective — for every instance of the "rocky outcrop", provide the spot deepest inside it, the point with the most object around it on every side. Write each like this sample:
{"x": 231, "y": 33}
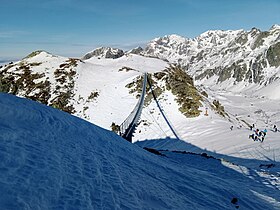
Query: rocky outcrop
{"x": 176, "y": 80}
{"x": 137, "y": 51}
{"x": 273, "y": 55}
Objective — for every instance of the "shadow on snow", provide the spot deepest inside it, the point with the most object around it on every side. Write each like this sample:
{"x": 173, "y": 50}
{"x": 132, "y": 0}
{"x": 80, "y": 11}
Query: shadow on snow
{"x": 251, "y": 170}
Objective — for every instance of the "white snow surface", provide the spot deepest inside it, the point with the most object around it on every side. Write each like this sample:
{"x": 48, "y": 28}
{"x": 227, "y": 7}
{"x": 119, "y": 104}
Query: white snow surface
{"x": 52, "y": 160}
{"x": 104, "y": 76}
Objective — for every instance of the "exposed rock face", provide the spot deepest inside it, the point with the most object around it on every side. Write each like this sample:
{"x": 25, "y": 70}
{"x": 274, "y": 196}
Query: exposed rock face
{"x": 273, "y": 55}
{"x": 104, "y": 52}
{"x": 137, "y": 50}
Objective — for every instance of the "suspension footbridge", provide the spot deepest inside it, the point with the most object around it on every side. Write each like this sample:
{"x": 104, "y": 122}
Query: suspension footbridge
{"x": 128, "y": 127}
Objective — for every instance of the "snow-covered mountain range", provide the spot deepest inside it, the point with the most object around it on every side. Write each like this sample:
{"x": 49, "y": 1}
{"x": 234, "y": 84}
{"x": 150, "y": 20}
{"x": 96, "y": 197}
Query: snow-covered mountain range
{"x": 108, "y": 79}
{"x": 249, "y": 56}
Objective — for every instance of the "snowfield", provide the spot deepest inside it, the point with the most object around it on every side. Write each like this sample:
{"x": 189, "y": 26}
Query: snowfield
{"x": 212, "y": 134}
{"x": 52, "y": 160}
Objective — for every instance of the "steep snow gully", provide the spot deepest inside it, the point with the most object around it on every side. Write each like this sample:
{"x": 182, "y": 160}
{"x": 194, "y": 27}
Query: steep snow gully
{"x": 52, "y": 160}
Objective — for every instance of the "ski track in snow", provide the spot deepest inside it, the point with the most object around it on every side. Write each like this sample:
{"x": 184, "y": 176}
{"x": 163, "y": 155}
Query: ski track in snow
{"x": 52, "y": 160}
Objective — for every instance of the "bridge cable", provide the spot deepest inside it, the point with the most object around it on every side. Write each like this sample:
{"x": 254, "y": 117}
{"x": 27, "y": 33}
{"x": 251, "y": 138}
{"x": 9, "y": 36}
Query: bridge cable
{"x": 159, "y": 127}
{"x": 127, "y": 128}
{"x": 160, "y": 109}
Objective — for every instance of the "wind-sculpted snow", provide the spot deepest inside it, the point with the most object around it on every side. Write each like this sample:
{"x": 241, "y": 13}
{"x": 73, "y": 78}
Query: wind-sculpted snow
{"x": 52, "y": 160}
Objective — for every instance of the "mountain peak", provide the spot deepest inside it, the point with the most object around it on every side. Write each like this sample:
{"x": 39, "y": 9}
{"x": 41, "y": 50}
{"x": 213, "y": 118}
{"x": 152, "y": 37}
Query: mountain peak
{"x": 36, "y": 53}
{"x": 218, "y": 33}
{"x": 104, "y": 52}
{"x": 255, "y": 30}
{"x": 275, "y": 27}
{"x": 176, "y": 37}
{"x": 138, "y": 50}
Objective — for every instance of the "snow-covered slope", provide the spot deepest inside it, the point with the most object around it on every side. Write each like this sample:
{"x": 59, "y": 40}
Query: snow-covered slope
{"x": 52, "y": 160}
{"x": 83, "y": 88}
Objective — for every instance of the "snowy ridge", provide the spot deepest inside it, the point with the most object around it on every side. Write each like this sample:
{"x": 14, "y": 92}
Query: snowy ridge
{"x": 63, "y": 162}
{"x": 84, "y": 88}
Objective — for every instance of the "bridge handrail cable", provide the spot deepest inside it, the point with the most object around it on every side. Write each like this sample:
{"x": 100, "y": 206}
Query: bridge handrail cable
{"x": 129, "y": 125}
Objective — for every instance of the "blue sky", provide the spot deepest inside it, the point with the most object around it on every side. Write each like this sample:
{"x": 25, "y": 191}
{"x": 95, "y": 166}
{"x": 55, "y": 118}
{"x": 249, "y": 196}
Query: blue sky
{"x": 74, "y": 27}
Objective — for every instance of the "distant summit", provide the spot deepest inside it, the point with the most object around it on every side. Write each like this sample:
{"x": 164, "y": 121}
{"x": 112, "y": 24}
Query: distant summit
{"x": 104, "y": 52}
{"x": 37, "y": 52}
{"x": 275, "y": 27}
{"x": 137, "y": 50}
